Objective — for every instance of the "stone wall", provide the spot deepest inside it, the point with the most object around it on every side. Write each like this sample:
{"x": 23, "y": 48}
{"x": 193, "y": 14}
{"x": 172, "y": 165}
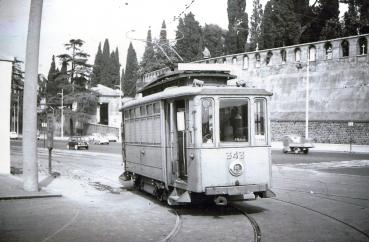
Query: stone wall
{"x": 338, "y": 86}
{"x": 336, "y": 132}
{"x": 338, "y": 74}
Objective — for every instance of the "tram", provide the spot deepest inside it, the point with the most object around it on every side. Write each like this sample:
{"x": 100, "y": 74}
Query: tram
{"x": 191, "y": 137}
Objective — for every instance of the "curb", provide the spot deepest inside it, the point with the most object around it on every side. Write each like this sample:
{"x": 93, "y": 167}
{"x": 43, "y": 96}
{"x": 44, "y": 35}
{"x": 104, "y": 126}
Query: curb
{"x": 31, "y": 196}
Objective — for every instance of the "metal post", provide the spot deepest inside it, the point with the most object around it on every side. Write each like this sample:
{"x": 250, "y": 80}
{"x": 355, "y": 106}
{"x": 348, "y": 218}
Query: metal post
{"x": 307, "y": 100}
{"x": 30, "y": 168}
{"x": 18, "y": 113}
{"x": 62, "y": 114}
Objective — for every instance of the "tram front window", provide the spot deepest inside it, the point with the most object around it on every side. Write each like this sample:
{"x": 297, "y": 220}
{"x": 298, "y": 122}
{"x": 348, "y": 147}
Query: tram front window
{"x": 233, "y": 120}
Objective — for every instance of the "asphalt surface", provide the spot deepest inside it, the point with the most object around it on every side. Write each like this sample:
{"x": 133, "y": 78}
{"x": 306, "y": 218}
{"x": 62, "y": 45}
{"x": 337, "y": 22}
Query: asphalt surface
{"x": 310, "y": 205}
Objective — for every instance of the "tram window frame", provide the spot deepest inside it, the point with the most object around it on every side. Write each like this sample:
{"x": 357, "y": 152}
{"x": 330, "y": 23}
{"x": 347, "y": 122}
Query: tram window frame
{"x": 263, "y": 128}
{"x": 224, "y": 135}
{"x": 205, "y": 139}
{"x": 156, "y": 108}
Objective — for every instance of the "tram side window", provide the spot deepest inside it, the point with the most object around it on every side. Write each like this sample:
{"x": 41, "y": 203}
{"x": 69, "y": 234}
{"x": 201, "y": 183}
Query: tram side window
{"x": 207, "y": 120}
{"x": 233, "y": 120}
{"x": 260, "y": 118}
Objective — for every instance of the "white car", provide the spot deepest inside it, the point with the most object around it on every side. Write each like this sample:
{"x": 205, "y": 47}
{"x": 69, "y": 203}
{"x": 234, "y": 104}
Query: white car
{"x": 97, "y": 138}
{"x": 112, "y": 137}
{"x": 13, "y": 135}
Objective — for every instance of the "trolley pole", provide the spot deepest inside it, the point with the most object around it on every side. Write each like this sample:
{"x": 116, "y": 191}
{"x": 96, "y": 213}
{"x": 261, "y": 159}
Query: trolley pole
{"x": 30, "y": 166}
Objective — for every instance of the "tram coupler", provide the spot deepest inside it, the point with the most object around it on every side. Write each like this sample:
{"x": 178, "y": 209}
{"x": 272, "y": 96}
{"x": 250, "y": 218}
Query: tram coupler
{"x": 220, "y": 201}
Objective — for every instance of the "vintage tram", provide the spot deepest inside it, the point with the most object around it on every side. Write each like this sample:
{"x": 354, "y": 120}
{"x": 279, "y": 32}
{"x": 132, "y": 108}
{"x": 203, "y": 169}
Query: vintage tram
{"x": 190, "y": 137}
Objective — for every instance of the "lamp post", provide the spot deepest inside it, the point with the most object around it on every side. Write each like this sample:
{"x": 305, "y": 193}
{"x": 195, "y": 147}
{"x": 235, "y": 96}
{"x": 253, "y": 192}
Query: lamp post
{"x": 62, "y": 114}
{"x": 307, "y": 100}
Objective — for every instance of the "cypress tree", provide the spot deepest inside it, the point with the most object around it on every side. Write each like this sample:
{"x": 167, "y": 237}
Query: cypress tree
{"x": 130, "y": 77}
{"x": 162, "y": 49}
{"x": 328, "y": 19}
{"x": 148, "y": 62}
{"x": 97, "y": 68}
{"x": 106, "y": 62}
{"x": 364, "y": 16}
{"x": 52, "y": 86}
{"x": 238, "y": 26}
{"x": 267, "y": 28}
{"x": 255, "y": 30}
{"x": 191, "y": 45}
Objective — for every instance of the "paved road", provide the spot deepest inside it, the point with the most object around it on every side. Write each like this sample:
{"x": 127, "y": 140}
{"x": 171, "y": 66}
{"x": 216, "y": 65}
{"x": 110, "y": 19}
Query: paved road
{"x": 113, "y": 147}
{"x": 311, "y": 206}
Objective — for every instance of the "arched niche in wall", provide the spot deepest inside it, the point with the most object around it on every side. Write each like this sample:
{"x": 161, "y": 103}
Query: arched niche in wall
{"x": 268, "y": 57}
{"x": 234, "y": 60}
{"x": 297, "y": 55}
{"x": 245, "y": 64}
{"x": 328, "y": 51}
{"x": 345, "y": 48}
{"x": 362, "y": 46}
{"x": 283, "y": 56}
{"x": 312, "y": 53}
{"x": 257, "y": 60}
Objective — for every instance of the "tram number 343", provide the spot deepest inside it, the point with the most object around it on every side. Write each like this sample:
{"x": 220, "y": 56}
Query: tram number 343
{"x": 235, "y": 155}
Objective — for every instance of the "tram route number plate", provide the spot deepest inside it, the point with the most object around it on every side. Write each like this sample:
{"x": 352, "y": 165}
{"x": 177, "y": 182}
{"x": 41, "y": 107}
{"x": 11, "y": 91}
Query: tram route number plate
{"x": 235, "y": 155}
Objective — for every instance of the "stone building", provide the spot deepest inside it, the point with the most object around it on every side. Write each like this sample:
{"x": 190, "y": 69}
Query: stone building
{"x": 338, "y": 71}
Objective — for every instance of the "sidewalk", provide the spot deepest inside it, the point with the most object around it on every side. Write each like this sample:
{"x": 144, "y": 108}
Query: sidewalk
{"x": 330, "y": 147}
{"x": 12, "y": 188}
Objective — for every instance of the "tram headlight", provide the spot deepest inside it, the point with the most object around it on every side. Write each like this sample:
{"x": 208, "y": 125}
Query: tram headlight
{"x": 236, "y": 168}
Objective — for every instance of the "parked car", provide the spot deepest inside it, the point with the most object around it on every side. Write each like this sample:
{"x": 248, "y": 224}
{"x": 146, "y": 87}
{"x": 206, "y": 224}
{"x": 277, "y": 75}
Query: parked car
{"x": 98, "y": 139}
{"x": 112, "y": 137}
{"x": 13, "y": 135}
{"x": 296, "y": 144}
{"x": 77, "y": 142}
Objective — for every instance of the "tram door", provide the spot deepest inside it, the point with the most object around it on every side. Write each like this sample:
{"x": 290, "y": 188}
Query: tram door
{"x": 177, "y": 139}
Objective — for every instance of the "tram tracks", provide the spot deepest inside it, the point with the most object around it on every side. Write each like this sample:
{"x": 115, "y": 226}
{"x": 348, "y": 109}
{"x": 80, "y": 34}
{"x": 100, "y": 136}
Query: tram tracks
{"x": 254, "y": 224}
{"x": 180, "y": 229}
{"x": 173, "y": 233}
{"x": 325, "y": 215}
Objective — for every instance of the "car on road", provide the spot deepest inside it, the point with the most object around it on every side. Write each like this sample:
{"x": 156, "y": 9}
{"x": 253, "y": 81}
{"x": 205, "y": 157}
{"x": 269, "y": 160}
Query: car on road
{"x": 77, "y": 142}
{"x": 13, "y": 135}
{"x": 112, "y": 137}
{"x": 295, "y": 143}
{"x": 98, "y": 139}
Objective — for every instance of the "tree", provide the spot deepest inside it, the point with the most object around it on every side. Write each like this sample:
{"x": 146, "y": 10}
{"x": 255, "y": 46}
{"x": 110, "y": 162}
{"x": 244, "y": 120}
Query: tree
{"x": 122, "y": 78}
{"x": 80, "y": 71}
{"x": 52, "y": 85}
{"x": 189, "y": 45}
{"x": 162, "y": 49}
{"x": 238, "y": 26}
{"x": 214, "y": 38}
{"x": 106, "y": 68}
{"x": 328, "y": 19}
{"x": 363, "y": 6}
{"x": 148, "y": 62}
{"x": 255, "y": 30}
{"x": 97, "y": 68}
{"x": 130, "y": 77}
{"x": 267, "y": 28}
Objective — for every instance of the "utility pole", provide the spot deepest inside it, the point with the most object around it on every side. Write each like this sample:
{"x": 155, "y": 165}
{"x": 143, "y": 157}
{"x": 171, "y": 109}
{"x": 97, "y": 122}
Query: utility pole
{"x": 307, "y": 100}
{"x": 18, "y": 113}
{"x": 30, "y": 166}
{"x": 62, "y": 113}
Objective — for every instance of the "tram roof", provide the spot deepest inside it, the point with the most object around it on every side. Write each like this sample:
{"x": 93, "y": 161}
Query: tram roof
{"x": 171, "y": 78}
{"x": 175, "y": 92}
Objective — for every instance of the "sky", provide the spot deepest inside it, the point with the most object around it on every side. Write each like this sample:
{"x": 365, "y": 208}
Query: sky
{"x": 95, "y": 20}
